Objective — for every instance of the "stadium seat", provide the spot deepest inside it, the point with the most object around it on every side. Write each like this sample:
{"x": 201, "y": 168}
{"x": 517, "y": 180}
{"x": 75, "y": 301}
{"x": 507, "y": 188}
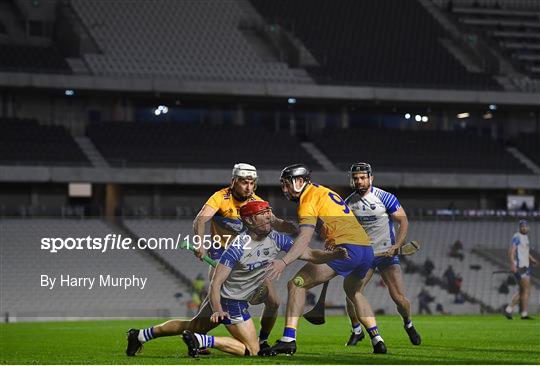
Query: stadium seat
{"x": 22, "y": 58}
{"x": 375, "y": 42}
{"x": 25, "y": 142}
{"x": 181, "y": 146}
{"x": 23, "y": 262}
{"x": 165, "y": 40}
{"x": 418, "y": 151}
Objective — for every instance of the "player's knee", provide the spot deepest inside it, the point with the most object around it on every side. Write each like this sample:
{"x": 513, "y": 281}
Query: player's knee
{"x": 351, "y": 292}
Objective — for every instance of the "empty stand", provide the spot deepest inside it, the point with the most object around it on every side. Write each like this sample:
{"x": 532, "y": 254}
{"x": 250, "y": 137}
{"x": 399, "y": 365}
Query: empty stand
{"x": 513, "y": 30}
{"x": 529, "y": 144}
{"x": 23, "y": 262}
{"x": 25, "y": 142}
{"x": 178, "y": 145}
{"x": 427, "y": 151}
{"x": 188, "y": 40}
{"x": 389, "y": 42}
{"x": 20, "y": 58}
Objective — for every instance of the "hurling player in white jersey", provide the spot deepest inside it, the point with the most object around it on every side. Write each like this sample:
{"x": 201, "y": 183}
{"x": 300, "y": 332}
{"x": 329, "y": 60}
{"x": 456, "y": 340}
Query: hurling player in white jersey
{"x": 520, "y": 259}
{"x": 238, "y": 277}
{"x": 377, "y": 210}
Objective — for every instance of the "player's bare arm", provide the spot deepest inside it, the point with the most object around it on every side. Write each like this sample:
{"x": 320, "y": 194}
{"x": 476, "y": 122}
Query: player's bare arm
{"x": 220, "y": 275}
{"x": 400, "y": 218}
{"x": 512, "y": 257}
{"x": 205, "y": 214}
{"x": 277, "y": 266}
{"x": 533, "y": 260}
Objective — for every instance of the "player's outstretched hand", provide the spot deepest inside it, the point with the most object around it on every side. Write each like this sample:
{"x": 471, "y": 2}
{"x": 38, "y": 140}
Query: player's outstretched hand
{"x": 218, "y": 316}
{"x": 341, "y": 253}
{"x": 275, "y": 269}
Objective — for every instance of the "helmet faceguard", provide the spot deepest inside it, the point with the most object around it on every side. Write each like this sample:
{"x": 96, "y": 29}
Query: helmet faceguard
{"x": 291, "y": 173}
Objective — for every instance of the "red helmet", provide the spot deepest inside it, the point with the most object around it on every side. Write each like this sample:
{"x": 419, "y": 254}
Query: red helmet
{"x": 253, "y": 208}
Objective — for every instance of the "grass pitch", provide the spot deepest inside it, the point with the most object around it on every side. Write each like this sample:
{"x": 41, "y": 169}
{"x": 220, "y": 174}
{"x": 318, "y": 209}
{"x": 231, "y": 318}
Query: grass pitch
{"x": 445, "y": 340}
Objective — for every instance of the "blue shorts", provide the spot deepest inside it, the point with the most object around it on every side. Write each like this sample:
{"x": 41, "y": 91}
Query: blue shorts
{"x": 522, "y": 272}
{"x": 383, "y": 262}
{"x": 237, "y": 309}
{"x": 358, "y": 265}
{"x": 214, "y": 253}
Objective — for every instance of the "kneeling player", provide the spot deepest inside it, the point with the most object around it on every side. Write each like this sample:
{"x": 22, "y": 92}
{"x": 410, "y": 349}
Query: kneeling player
{"x": 239, "y": 276}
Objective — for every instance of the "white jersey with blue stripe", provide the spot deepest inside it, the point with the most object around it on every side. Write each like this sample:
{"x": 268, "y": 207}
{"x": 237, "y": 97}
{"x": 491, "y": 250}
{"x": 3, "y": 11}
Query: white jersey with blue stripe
{"x": 521, "y": 242}
{"x": 373, "y": 212}
{"x": 248, "y": 259}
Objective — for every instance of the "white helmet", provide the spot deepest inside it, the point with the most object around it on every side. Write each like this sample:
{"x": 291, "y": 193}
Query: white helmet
{"x": 242, "y": 170}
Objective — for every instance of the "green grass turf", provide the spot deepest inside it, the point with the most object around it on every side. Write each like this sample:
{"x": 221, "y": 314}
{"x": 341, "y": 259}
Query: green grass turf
{"x": 445, "y": 340}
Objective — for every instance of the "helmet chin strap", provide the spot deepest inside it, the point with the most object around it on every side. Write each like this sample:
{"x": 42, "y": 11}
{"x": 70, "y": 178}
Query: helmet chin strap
{"x": 289, "y": 196}
{"x": 293, "y": 180}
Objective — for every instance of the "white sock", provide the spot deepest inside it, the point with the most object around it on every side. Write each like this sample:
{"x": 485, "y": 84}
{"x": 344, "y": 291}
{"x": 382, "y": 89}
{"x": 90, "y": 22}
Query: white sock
{"x": 509, "y": 309}
{"x": 376, "y": 340}
{"x": 408, "y": 324}
{"x": 146, "y": 334}
{"x": 205, "y": 341}
{"x": 357, "y": 329}
{"x": 524, "y": 314}
{"x": 287, "y": 339}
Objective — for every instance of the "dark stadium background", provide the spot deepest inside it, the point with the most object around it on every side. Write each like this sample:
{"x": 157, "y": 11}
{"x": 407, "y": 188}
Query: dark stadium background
{"x": 143, "y": 107}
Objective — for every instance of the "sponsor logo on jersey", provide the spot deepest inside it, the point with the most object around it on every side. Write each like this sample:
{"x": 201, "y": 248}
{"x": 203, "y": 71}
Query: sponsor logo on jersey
{"x": 252, "y": 266}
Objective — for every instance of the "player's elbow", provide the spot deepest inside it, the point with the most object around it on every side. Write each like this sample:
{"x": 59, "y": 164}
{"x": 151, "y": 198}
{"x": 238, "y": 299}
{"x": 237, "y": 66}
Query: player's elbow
{"x": 318, "y": 260}
{"x": 308, "y": 256}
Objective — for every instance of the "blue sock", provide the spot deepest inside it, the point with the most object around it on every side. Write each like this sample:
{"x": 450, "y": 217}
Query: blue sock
{"x": 289, "y": 334}
{"x": 263, "y": 336}
{"x": 357, "y": 328}
{"x": 374, "y": 335}
{"x": 407, "y": 323}
{"x": 146, "y": 334}
{"x": 205, "y": 341}
{"x": 373, "y": 332}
